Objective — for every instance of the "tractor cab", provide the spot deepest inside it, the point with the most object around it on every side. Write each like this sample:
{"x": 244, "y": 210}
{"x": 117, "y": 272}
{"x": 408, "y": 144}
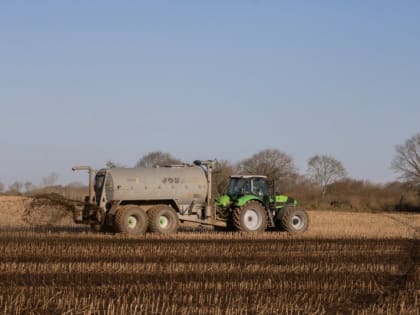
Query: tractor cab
{"x": 244, "y": 188}
{"x": 247, "y": 185}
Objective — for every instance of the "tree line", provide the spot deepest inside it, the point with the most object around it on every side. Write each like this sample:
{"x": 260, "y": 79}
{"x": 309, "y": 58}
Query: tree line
{"x": 19, "y": 187}
{"x": 324, "y": 184}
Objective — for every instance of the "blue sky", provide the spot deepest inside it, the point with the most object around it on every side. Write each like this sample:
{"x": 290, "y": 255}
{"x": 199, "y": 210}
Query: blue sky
{"x": 83, "y": 82}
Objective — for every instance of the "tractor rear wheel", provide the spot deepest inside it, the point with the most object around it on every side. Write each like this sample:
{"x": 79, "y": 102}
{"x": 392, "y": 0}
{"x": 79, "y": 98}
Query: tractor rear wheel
{"x": 251, "y": 217}
{"x": 163, "y": 219}
{"x": 295, "y": 220}
{"x": 131, "y": 219}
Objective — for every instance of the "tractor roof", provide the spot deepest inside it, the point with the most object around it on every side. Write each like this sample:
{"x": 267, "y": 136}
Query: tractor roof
{"x": 248, "y": 176}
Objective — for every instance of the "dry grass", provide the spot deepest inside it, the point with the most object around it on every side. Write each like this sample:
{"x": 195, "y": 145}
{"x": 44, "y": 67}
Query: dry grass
{"x": 12, "y": 209}
{"x": 369, "y": 225}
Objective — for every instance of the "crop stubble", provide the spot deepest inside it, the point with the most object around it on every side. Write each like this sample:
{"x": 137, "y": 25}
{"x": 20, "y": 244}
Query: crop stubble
{"x": 207, "y": 273}
{"x": 346, "y": 263}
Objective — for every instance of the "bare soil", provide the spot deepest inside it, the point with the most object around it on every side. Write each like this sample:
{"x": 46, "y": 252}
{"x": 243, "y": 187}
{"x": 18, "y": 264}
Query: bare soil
{"x": 19, "y": 211}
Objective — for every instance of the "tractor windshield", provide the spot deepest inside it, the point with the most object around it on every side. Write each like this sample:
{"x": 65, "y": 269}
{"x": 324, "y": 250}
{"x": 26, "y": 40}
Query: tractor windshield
{"x": 247, "y": 186}
{"x": 239, "y": 186}
{"x": 259, "y": 187}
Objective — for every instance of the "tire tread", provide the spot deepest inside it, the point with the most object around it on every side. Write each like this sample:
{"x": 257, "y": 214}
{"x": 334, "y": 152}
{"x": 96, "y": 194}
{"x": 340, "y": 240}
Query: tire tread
{"x": 286, "y": 220}
{"x": 154, "y": 224}
{"x": 237, "y": 217}
{"x": 120, "y": 224}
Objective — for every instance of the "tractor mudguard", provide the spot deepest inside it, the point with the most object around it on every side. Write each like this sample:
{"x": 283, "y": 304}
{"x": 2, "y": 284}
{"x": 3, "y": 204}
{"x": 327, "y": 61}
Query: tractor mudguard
{"x": 283, "y": 200}
{"x": 245, "y": 199}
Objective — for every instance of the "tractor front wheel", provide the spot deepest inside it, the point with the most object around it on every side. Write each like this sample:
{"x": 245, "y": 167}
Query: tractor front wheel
{"x": 295, "y": 220}
{"x": 251, "y": 217}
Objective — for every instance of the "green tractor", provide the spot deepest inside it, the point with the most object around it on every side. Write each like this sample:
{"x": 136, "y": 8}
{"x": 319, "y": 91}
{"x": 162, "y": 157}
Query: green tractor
{"x": 249, "y": 207}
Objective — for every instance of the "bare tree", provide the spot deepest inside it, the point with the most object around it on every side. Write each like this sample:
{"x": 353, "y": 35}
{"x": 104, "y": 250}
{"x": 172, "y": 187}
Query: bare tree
{"x": 274, "y": 164}
{"x": 222, "y": 171}
{"x": 50, "y": 180}
{"x": 28, "y": 186}
{"x": 156, "y": 158}
{"x": 407, "y": 161}
{"x": 111, "y": 164}
{"x": 325, "y": 170}
{"x": 1, "y": 187}
{"x": 15, "y": 188}
{"x": 75, "y": 185}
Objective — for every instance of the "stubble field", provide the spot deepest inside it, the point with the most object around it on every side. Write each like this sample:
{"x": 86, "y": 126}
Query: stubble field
{"x": 347, "y": 263}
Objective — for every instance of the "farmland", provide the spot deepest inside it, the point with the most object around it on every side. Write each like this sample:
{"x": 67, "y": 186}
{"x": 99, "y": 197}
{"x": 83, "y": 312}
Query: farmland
{"x": 347, "y": 263}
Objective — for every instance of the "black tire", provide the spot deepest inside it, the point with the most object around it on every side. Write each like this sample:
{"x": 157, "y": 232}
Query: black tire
{"x": 131, "y": 219}
{"x": 163, "y": 219}
{"x": 251, "y": 217}
{"x": 277, "y": 219}
{"x": 295, "y": 220}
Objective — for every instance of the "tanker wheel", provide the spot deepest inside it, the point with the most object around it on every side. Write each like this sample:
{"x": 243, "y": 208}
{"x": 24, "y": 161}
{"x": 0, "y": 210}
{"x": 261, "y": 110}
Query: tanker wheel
{"x": 163, "y": 219}
{"x": 295, "y": 220}
{"x": 251, "y": 217}
{"x": 131, "y": 219}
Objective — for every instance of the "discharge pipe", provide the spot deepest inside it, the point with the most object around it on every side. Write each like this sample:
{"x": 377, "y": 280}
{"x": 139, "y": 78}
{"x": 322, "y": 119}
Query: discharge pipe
{"x": 91, "y": 180}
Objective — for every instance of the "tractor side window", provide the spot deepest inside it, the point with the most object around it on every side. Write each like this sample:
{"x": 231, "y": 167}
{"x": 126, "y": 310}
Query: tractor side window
{"x": 259, "y": 187}
{"x": 233, "y": 186}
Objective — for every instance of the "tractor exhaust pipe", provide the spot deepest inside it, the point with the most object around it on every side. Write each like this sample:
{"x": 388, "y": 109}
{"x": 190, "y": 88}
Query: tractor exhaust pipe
{"x": 91, "y": 180}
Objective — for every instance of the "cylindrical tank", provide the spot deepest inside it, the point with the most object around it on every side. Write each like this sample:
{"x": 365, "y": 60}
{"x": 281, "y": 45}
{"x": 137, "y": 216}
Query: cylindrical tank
{"x": 182, "y": 184}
